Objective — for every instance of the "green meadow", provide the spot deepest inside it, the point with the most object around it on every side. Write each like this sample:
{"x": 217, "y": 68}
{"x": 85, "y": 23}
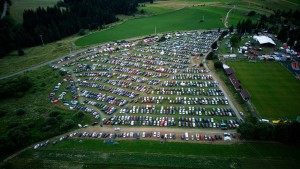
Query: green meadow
{"x": 274, "y": 91}
{"x": 89, "y": 153}
{"x": 184, "y": 19}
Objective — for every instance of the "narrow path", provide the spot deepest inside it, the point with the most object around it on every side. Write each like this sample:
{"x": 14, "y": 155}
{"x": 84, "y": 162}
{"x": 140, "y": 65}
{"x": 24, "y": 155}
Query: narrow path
{"x": 4, "y": 10}
{"x": 227, "y": 15}
{"x": 222, "y": 88}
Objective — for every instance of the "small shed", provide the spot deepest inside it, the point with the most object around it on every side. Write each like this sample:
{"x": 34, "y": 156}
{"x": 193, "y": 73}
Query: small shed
{"x": 245, "y": 95}
{"x": 228, "y": 71}
{"x": 235, "y": 82}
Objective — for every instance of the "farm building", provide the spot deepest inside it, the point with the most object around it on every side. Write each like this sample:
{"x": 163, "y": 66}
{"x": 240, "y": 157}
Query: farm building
{"x": 245, "y": 94}
{"x": 232, "y": 56}
{"x": 227, "y": 70}
{"x": 235, "y": 82}
{"x": 264, "y": 40}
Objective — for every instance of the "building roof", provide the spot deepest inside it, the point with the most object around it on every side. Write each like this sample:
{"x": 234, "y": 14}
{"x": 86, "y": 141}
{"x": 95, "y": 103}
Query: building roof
{"x": 228, "y": 71}
{"x": 245, "y": 94}
{"x": 235, "y": 82}
{"x": 264, "y": 40}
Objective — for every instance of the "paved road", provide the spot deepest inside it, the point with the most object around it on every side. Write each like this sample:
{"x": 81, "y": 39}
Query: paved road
{"x": 5, "y": 5}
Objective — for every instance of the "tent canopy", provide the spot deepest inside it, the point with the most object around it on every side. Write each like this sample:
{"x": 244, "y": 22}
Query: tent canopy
{"x": 264, "y": 40}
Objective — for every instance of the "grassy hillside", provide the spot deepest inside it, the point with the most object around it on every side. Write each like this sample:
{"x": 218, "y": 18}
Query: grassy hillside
{"x": 183, "y": 19}
{"x": 37, "y": 121}
{"x": 274, "y": 91}
{"x": 36, "y": 55}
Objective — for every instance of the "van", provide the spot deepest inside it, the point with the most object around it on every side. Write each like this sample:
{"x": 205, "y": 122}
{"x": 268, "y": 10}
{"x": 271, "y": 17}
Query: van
{"x": 186, "y": 136}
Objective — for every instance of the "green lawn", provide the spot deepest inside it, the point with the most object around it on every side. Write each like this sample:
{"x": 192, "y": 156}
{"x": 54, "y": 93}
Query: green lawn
{"x": 154, "y": 10}
{"x": 152, "y": 154}
{"x": 37, "y": 107}
{"x": 18, "y": 6}
{"x": 274, "y": 91}
{"x": 35, "y": 55}
{"x": 183, "y": 19}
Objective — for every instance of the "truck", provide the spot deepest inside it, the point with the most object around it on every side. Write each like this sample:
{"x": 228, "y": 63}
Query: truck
{"x": 186, "y": 136}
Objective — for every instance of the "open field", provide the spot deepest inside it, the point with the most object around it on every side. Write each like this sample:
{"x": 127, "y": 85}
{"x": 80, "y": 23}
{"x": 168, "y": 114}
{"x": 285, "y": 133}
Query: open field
{"x": 36, "y": 55}
{"x": 18, "y": 6}
{"x": 274, "y": 91}
{"x": 183, "y": 19}
{"x": 73, "y": 153}
{"x": 273, "y": 4}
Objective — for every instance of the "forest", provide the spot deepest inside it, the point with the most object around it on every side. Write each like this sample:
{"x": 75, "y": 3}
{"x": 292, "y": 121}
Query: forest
{"x": 66, "y": 18}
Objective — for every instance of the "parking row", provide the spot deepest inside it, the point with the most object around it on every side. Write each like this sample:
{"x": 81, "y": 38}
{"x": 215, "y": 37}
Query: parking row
{"x": 138, "y": 135}
{"x": 86, "y": 109}
{"x": 194, "y": 70}
{"x": 181, "y": 110}
{"x": 190, "y": 122}
{"x": 158, "y": 62}
{"x": 127, "y": 84}
{"x": 161, "y": 58}
{"x": 103, "y": 107}
{"x": 188, "y": 91}
{"x": 192, "y": 77}
{"x": 189, "y": 84}
{"x": 103, "y": 97}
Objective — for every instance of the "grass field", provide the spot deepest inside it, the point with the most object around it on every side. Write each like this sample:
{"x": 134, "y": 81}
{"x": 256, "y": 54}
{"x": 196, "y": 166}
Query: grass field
{"x": 18, "y": 6}
{"x": 183, "y": 19}
{"x": 274, "y": 91}
{"x": 152, "y": 154}
{"x": 37, "y": 107}
{"x": 35, "y": 55}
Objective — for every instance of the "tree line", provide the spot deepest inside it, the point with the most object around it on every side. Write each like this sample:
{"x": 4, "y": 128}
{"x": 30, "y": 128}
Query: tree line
{"x": 66, "y": 18}
{"x": 283, "y": 132}
{"x": 284, "y": 24}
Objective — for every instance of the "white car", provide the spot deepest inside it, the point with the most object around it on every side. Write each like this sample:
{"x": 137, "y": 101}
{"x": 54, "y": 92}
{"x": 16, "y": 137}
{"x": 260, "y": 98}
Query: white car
{"x": 36, "y": 146}
{"x": 197, "y": 137}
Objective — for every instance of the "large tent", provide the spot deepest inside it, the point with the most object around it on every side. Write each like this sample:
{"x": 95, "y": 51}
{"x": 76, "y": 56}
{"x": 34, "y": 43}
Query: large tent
{"x": 263, "y": 40}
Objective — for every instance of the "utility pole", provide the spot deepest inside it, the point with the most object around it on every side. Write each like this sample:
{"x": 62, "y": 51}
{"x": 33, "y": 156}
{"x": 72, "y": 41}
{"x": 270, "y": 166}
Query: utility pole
{"x": 42, "y": 39}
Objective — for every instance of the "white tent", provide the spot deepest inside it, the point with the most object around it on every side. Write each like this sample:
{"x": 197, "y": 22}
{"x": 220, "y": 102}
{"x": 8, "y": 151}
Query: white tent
{"x": 225, "y": 66}
{"x": 264, "y": 40}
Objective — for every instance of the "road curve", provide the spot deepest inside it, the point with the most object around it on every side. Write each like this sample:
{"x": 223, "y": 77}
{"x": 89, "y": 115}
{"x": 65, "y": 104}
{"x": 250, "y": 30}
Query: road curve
{"x": 226, "y": 19}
